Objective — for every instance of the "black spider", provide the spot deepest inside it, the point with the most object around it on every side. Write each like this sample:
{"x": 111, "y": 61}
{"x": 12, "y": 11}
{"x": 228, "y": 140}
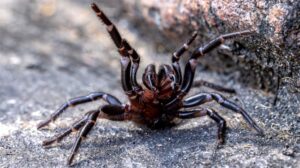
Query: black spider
{"x": 160, "y": 100}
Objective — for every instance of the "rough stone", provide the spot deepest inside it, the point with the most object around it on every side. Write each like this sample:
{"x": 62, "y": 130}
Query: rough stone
{"x": 53, "y": 50}
{"x": 264, "y": 60}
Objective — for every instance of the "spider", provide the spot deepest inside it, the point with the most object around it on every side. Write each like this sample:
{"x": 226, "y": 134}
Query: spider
{"x": 160, "y": 101}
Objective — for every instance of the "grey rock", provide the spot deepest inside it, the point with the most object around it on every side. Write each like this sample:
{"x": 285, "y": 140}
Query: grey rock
{"x": 52, "y": 50}
{"x": 264, "y": 60}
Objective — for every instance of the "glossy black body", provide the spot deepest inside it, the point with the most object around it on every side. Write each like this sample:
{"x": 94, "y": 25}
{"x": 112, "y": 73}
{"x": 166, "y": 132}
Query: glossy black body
{"x": 160, "y": 100}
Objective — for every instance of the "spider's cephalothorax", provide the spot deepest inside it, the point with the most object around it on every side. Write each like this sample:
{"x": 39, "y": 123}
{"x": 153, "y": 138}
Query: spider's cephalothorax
{"x": 160, "y": 100}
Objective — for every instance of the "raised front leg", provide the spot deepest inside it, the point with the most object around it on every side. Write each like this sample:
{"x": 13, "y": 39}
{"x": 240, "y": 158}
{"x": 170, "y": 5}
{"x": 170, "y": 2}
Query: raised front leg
{"x": 217, "y": 42}
{"x": 176, "y": 57}
{"x": 111, "y": 28}
{"x": 135, "y": 66}
{"x": 119, "y": 42}
{"x": 209, "y": 112}
{"x": 130, "y": 59}
{"x": 190, "y": 67}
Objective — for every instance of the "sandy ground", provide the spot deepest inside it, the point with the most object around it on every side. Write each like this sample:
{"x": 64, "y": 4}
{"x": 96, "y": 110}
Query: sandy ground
{"x": 50, "y": 53}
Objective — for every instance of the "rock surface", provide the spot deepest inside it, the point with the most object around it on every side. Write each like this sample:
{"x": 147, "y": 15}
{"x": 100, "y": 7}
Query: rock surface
{"x": 53, "y": 50}
{"x": 265, "y": 60}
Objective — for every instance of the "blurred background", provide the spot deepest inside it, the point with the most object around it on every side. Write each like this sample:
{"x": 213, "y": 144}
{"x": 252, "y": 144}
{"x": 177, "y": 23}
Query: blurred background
{"x": 53, "y": 50}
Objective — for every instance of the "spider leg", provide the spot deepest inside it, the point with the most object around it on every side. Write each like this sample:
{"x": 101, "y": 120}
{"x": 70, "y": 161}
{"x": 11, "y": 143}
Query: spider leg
{"x": 220, "y": 88}
{"x": 189, "y": 74}
{"x": 192, "y": 64}
{"x": 91, "y": 120}
{"x": 111, "y": 112}
{"x": 217, "y": 42}
{"x": 75, "y": 127}
{"x": 129, "y": 71}
{"x": 176, "y": 56}
{"x": 80, "y": 100}
{"x": 209, "y": 112}
{"x": 202, "y": 98}
{"x": 117, "y": 39}
{"x": 111, "y": 28}
{"x": 189, "y": 71}
{"x": 135, "y": 66}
